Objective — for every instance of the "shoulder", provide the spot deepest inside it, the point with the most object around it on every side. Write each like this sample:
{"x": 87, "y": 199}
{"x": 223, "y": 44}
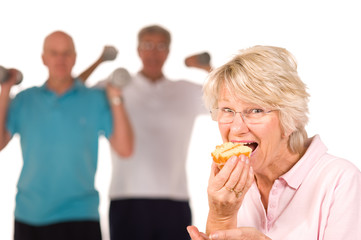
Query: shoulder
{"x": 186, "y": 86}
{"x": 187, "y": 83}
{"x": 338, "y": 165}
{"x": 335, "y": 171}
{"x": 90, "y": 96}
{"x": 344, "y": 167}
{"x": 92, "y": 91}
{"x": 31, "y": 92}
{"x": 321, "y": 161}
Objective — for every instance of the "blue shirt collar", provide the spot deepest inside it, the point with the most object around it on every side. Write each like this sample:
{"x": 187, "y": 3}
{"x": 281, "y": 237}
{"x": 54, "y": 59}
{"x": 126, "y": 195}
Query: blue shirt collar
{"x": 77, "y": 84}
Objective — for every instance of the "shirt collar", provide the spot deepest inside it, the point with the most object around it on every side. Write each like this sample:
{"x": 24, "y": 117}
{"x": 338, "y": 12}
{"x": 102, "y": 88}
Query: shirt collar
{"x": 144, "y": 81}
{"x": 299, "y": 171}
{"x": 77, "y": 84}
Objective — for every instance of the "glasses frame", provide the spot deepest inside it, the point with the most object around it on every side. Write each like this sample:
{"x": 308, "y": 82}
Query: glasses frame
{"x": 215, "y": 111}
{"x": 151, "y": 46}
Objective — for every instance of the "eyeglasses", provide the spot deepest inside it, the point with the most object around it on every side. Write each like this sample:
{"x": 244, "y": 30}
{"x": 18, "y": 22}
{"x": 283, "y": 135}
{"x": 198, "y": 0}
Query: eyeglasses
{"x": 251, "y": 116}
{"x": 149, "y": 46}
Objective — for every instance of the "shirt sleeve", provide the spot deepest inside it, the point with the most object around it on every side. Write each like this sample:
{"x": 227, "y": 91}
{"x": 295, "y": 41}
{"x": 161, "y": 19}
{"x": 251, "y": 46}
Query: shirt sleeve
{"x": 344, "y": 218}
{"x": 105, "y": 115}
{"x": 13, "y": 115}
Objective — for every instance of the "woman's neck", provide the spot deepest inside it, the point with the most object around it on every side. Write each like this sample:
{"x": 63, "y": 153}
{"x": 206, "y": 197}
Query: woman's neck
{"x": 266, "y": 177}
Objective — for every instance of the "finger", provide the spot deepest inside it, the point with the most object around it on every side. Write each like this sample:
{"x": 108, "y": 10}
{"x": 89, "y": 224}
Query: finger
{"x": 236, "y": 174}
{"x": 242, "y": 233}
{"x": 250, "y": 179}
{"x": 240, "y": 185}
{"x": 214, "y": 172}
{"x": 212, "y": 181}
{"x": 230, "y": 234}
{"x": 247, "y": 185}
{"x": 220, "y": 177}
{"x": 195, "y": 234}
{"x": 215, "y": 169}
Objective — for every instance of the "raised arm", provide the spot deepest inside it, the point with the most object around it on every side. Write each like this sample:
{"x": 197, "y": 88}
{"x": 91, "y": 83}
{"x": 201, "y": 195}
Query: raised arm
{"x": 4, "y": 104}
{"x": 109, "y": 53}
{"x": 200, "y": 60}
{"x": 122, "y": 139}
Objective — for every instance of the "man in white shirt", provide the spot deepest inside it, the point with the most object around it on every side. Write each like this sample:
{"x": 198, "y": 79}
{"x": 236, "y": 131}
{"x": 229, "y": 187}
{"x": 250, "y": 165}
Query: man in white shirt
{"x": 149, "y": 195}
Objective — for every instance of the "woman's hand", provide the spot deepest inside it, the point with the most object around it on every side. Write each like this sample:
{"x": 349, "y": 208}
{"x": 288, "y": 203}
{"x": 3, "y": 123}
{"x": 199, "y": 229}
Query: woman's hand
{"x": 243, "y": 233}
{"x": 226, "y": 190}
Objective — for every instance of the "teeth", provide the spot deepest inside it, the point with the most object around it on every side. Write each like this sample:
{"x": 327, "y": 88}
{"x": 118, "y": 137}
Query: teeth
{"x": 247, "y": 144}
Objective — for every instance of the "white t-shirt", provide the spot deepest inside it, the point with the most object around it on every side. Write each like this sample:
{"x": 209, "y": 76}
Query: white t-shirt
{"x": 162, "y": 115}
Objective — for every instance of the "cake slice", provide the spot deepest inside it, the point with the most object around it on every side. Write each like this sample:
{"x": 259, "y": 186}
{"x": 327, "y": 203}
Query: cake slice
{"x": 223, "y": 152}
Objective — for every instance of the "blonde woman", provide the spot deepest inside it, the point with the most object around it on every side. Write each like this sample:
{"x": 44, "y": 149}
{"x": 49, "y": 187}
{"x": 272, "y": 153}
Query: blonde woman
{"x": 290, "y": 187}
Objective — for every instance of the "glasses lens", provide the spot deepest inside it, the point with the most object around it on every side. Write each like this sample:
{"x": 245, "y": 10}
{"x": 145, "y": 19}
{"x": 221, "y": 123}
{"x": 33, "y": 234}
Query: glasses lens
{"x": 224, "y": 115}
{"x": 162, "y": 47}
{"x": 146, "y": 46}
{"x": 255, "y": 116}
{"x": 214, "y": 114}
{"x": 150, "y": 46}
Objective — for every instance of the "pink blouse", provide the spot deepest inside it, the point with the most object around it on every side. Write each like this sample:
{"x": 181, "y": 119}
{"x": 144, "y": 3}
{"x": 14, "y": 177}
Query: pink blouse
{"x": 319, "y": 198}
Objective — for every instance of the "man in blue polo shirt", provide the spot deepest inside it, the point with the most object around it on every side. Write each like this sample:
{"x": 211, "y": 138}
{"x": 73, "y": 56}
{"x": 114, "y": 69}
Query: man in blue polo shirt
{"x": 59, "y": 125}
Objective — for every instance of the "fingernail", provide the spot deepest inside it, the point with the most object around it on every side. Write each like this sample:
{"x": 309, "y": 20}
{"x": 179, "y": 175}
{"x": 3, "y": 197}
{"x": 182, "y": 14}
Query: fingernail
{"x": 213, "y": 236}
{"x": 233, "y": 159}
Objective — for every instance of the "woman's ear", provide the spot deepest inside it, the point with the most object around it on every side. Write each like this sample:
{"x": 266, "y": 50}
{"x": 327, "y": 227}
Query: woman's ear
{"x": 286, "y": 134}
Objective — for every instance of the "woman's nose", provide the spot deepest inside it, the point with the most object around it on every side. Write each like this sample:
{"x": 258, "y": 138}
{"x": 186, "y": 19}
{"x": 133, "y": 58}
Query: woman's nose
{"x": 239, "y": 125}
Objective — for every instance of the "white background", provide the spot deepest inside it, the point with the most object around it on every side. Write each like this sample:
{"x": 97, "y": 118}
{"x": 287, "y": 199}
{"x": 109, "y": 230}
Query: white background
{"x": 324, "y": 36}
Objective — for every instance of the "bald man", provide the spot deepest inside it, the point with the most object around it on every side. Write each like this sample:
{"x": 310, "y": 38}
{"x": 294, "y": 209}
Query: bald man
{"x": 59, "y": 133}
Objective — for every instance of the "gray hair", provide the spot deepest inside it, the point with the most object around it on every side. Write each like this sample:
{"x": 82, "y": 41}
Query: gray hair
{"x": 154, "y": 29}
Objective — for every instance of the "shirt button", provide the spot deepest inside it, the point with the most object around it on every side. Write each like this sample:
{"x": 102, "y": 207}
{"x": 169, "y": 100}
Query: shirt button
{"x": 274, "y": 192}
{"x": 273, "y": 205}
{"x": 270, "y": 217}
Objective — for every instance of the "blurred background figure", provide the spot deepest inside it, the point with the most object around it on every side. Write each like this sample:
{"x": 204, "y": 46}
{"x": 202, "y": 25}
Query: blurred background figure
{"x": 6, "y": 74}
{"x": 149, "y": 195}
{"x": 200, "y": 60}
{"x": 59, "y": 132}
{"x": 109, "y": 54}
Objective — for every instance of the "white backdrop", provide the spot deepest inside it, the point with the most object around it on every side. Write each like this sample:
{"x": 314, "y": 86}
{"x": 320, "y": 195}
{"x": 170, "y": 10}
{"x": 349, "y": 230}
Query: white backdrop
{"x": 323, "y": 35}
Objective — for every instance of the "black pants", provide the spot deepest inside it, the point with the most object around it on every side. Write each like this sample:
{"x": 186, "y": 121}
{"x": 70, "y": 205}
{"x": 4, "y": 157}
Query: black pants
{"x": 77, "y": 230}
{"x": 149, "y": 219}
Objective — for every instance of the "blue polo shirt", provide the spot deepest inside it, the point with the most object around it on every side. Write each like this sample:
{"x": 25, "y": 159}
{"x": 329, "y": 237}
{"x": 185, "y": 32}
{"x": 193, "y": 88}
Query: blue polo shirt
{"x": 59, "y": 143}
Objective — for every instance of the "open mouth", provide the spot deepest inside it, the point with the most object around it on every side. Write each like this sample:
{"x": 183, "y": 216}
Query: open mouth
{"x": 252, "y": 145}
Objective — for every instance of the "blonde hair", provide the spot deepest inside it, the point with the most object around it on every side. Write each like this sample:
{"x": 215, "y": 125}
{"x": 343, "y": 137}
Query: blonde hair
{"x": 266, "y": 76}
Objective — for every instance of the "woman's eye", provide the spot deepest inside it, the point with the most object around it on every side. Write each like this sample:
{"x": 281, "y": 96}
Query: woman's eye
{"x": 256, "y": 111}
{"x": 227, "y": 110}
